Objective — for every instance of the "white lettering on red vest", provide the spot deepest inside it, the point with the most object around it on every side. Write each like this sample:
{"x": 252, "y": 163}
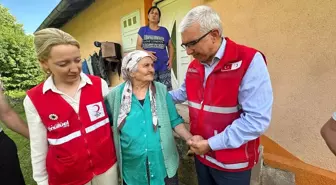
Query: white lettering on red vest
{"x": 192, "y": 70}
{"x": 59, "y": 125}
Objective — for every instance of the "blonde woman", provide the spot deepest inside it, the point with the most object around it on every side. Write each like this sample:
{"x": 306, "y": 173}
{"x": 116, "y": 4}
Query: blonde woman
{"x": 70, "y": 134}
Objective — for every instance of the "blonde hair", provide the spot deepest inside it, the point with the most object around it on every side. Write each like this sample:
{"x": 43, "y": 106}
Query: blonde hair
{"x": 45, "y": 39}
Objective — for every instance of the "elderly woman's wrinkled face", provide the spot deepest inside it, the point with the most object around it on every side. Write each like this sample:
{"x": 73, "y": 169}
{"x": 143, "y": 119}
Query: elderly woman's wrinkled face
{"x": 145, "y": 71}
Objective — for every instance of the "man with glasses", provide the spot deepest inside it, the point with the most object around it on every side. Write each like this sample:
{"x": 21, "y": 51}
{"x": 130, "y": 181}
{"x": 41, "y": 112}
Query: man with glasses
{"x": 230, "y": 99}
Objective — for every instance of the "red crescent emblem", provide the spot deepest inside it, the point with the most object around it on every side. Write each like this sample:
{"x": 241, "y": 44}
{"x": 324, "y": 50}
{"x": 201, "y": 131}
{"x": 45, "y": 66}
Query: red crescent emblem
{"x": 98, "y": 108}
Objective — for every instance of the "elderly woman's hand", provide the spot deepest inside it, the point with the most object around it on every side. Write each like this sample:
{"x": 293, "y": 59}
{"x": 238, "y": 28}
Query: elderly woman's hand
{"x": 199, "y": 145}
{"x": 190, "y": 141}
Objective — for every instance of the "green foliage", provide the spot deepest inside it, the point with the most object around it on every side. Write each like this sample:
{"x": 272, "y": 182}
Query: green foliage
{"x": 15, "y": 97}
{"x": 19, "y": 69}
{"x": 17, "y": 94}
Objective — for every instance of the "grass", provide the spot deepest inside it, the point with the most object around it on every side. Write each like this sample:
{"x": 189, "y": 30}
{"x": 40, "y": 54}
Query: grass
{"x": 23, "y": 149}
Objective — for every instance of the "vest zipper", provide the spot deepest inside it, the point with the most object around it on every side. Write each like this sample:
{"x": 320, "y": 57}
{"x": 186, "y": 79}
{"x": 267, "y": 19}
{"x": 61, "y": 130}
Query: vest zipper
{"x": 204, "y": 88}
{"x": 200, "y": 117}
{"x": 86, "y": 145}
{"x": 246, "y": 153}
{"x": 255, "y": 152}
{"x": 202, "y": 107}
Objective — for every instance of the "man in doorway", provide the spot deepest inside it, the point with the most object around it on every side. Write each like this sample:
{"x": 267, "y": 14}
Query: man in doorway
{"x": 328, "y": 132}
{"x": 229, "y": 94}
{"x": 10, "y": 171}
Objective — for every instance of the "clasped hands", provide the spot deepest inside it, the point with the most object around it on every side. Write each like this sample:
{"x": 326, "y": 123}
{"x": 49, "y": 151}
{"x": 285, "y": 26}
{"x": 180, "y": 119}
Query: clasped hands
{"x": 198, "y": 145}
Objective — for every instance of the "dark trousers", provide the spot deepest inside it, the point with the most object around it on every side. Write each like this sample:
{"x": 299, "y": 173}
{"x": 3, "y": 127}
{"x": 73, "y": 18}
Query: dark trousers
{"x": 210, "y": 176}
{"x": 10, "y": 171}
{"x": 164, "y": 77}
{"x": 168, "y": 181}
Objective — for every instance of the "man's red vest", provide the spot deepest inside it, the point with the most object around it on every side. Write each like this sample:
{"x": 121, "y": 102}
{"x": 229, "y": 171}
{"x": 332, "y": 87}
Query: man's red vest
{"x": 214, "y": 107}
{"x": 80, "y": 145}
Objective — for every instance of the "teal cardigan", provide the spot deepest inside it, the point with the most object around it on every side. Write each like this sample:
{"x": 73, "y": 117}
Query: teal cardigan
{"x": 169, "y": 150}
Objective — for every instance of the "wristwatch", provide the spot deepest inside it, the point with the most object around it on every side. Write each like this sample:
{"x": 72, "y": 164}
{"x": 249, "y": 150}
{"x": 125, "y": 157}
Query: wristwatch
{"x": 334, "y": 116}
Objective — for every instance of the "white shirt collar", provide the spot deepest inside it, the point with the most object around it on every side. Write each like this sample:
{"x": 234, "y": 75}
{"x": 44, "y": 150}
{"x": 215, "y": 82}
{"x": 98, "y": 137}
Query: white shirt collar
{"x": 49, "y": 83}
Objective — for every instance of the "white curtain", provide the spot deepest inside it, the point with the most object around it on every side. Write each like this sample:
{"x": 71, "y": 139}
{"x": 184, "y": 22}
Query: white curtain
{"x": 174, "y": 80}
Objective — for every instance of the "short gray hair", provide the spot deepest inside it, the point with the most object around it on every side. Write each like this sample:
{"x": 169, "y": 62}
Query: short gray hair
{"x": 205, "y": 16}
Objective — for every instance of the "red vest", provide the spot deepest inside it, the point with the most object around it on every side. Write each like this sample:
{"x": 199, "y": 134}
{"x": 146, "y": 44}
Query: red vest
{"x": 213, "y": 107}
{"x": 80, "y": 145}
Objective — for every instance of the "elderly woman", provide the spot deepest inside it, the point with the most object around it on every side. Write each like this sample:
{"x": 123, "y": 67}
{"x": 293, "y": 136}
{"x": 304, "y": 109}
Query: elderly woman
{"x": 144, "y": 116}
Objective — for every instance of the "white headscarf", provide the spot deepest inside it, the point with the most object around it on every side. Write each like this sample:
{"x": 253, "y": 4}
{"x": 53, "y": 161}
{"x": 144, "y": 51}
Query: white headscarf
{"x": 129, "y": 62}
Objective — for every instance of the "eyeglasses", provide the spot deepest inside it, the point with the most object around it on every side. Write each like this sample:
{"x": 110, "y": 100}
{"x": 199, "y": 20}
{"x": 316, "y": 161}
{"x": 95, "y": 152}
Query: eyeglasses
{"x": 194, "y": 42}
